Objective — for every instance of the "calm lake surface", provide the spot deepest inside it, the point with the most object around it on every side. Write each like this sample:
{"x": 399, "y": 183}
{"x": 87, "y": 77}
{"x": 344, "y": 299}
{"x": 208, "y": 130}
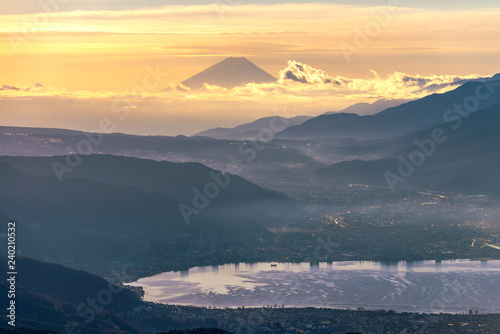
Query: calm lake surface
{"x": 424, "y": 286}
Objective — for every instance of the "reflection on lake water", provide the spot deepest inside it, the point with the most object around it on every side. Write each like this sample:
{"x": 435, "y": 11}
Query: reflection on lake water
{"x": 423, "y": 286}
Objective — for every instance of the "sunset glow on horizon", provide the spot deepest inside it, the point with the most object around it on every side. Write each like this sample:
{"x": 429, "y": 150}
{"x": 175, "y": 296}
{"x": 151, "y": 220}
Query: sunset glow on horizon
{"x": 63, "y": 67}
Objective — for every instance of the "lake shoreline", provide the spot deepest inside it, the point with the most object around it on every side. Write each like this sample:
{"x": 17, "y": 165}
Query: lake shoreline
{"x": 450, "y": 286}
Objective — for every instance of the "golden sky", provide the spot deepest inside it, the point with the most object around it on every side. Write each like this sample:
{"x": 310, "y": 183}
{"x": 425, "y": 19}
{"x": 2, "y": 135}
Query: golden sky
{"x": 84, "y": 59}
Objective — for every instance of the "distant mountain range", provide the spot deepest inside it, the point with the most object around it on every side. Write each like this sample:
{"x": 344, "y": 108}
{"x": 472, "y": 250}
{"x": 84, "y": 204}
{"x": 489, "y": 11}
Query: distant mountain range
{"x": 270, "y": 165}
{"x": 252, "y": 130}
{"x": 394, "y": 121}
{"x": 364, "y": 108}
{"x": 229, "y": 73}
{"x": 466, "y": 162}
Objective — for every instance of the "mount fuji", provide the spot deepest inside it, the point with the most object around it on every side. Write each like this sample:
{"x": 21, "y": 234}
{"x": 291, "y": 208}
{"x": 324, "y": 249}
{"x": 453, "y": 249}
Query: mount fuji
{"x": 229, "y": 73}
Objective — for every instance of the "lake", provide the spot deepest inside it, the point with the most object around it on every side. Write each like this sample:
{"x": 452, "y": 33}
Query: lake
{"x": 453, "y": 286}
